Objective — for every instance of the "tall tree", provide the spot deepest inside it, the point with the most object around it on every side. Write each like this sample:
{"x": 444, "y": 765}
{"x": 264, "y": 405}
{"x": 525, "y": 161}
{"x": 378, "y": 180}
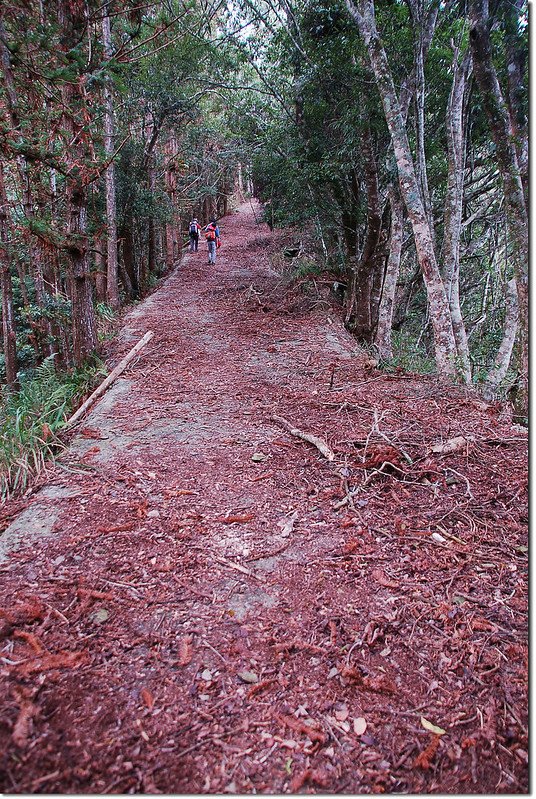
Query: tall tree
{"x": 72, "y": 18}
{"x": 8, "y": 316}
{"x": 456, "y": 128}
{"x": 112, "y": 287}
{"x": 505, "y": 149}
{"x": 445, "y": 345}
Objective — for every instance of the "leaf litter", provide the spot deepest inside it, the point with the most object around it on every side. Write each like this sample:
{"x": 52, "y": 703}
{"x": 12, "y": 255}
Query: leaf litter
{"x": 401, "y": 593}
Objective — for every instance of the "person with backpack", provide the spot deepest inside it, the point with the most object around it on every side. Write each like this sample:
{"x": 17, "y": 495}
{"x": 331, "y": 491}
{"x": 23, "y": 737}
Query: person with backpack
{"x": 193, "y": 230}
{"x": 212, "y": 235}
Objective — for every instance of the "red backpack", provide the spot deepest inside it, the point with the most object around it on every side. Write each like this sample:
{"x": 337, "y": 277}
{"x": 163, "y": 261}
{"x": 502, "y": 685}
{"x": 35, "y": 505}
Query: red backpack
{"x": 210, "y": 233}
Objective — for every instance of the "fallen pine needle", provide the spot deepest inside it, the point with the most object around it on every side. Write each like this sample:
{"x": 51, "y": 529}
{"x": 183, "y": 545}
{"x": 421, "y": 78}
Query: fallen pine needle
{"x": 261, "y": 477}
{"x": 256, "y": 689}
{"x": 239, "y": 519}
{"x": 424, "y": 759}
{"x": 60, "y": 660}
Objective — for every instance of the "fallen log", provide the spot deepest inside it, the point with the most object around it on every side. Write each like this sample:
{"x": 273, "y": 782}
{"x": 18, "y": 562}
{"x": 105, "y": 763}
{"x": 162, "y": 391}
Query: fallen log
{"x": 114, "y": 374}
{"x": 317, "y": 442}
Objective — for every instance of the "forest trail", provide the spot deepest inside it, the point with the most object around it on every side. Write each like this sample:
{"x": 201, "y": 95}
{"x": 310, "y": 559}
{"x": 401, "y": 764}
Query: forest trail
{"x": 196, "y": 601}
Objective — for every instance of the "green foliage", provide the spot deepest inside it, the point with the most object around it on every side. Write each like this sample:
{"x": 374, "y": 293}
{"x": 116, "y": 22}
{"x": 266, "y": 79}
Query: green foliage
{"x": 408, "y": 355}
{"x": 307, "y": 267}
{"x": 31, "y": 420}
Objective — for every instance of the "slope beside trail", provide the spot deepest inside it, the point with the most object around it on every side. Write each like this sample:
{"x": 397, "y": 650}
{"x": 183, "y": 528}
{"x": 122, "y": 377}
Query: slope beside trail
{"x": 196, "y": 600}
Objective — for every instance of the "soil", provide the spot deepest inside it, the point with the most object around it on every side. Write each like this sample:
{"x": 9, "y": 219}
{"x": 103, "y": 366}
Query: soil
{"x": 197, "y": 600}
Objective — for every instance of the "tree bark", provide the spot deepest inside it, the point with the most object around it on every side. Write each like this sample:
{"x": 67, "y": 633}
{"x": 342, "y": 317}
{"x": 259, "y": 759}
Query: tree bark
{"x": 73, "y": 21}
{"x": 502, "y": 360}
{"x": 100, "y": 271}
{"x": 514, "y": 198}
{"x": 385, "y": 315}
{"x": 361, "y": 311}
{"x": 41, "y": 327}
{"x": 112, "y": 287}
{"x": 452, "y": 227}
{"x": 129, "y": 277}
{"x": 417, "y": 15}
{"x": 445, "y": 346}
{"x": 516, "y": 56}
{"x": 8, "y": 317}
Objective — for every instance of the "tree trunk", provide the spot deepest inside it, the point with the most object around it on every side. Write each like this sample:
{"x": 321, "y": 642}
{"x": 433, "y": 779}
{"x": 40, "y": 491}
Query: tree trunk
{"x": 456, "y": 141}
{"x": 502, "y": 360}
{"x": 128, "y": 271}
{"x": 83, "y": 316}
{"x": 73, "y": 21}
{"x": 505, "y": 152}
{"x": 152, "y": 265}
{"x": 445, "y": 346}
{"x": 100, "y": 271}
{"x": 378, "y": 268}
{"x": 362, "y": 326}
{"x": 417, "y": 13}
{"x": 385, "y": 315}
{"x": 407, "y": 88}
{"x": 112, "y": 287}
{"x": 41, "y": 326}
{"x": 8, "y": 317}
{"x": 516, "y": 55}
{"x": 172, "y": 232}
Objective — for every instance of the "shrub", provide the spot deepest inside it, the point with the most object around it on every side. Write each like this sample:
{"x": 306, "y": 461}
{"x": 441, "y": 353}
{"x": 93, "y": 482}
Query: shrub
{"x": 32, "y": 418}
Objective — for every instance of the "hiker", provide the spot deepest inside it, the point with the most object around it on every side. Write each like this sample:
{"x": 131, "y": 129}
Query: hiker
{"x": 194, "y": 234}
{"x": 212, "y": 235}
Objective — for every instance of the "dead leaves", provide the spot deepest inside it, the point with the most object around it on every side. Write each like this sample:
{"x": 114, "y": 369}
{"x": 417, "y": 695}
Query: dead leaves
{"x": 236, "y": 519}
{"x": 299, "y": 645}
{"x": 25, "y": 613}
{"x": 360, "y": 725}
{"x": 312, "y": 732}
{"x": 185, "y": 650}
{"x": 91, "y": 432}
{"x": 424, "y": 759}
{"x": 383, "y": 455}
{"x": 116, "y": 528}
{"x": 260, "y": 686}
{"x": 49, "y": 662}
{"x": 27, "y": 710}
{"x": 379, "y": 576}
{"x": 379, "y": 685}
{"x": 180, "y": 492}
{"x": 147, "y": 698}
{"x": 456, "y": 444}
{"x": 30, "y": 639}
{"x": 428, "y": 725}
{"x": 315, "y": 776}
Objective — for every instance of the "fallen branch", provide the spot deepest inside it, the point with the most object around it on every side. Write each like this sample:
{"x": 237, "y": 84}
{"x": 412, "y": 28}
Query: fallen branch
{"x": 317, "y": 442}
{"x": 114, "y": 374}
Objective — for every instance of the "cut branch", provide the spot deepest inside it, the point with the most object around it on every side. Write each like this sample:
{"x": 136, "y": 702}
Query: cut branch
{"x": 114, "y": 374}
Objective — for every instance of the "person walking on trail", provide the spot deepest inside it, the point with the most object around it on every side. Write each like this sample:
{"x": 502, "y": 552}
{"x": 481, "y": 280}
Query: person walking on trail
{"x": 212, "y": 235}
{"x": 194, "y": 234}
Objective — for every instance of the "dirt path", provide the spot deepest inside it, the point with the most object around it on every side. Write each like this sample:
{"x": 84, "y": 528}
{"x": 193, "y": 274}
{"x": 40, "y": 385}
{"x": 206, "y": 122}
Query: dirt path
{"x": 197, "y": 602}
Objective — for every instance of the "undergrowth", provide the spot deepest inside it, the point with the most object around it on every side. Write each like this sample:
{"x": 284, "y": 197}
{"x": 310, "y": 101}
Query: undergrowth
{"x": 408, "y": 356}
{"x": 32, "y": 418}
